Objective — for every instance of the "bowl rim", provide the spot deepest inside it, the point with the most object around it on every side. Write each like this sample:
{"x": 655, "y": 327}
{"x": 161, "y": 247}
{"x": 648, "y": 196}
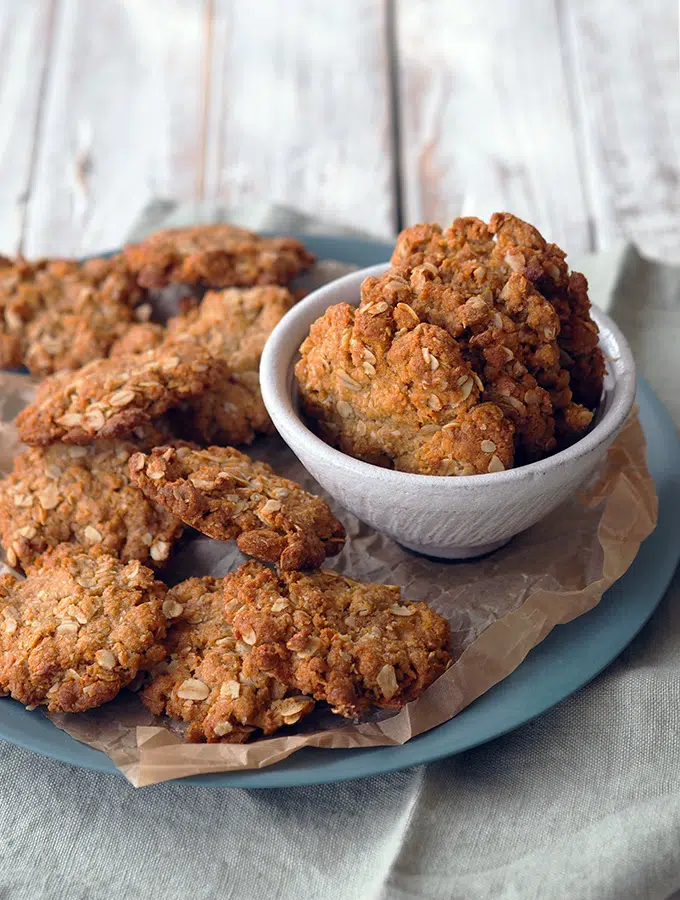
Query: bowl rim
{"x": 277, "y": 378}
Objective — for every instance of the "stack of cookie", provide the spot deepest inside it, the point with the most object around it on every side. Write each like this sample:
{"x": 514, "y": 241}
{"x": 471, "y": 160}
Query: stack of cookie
{"x": 473, "y": 353}
{"x": 129, "y": 442}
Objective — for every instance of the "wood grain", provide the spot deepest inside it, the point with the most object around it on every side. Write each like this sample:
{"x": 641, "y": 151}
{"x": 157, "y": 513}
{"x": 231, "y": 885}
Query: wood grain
{"x": 486, "y": 118}
{"x": 300, "y": 109}
{"x": 564, "y": 112}
{"x": 24, "y": 51}
{"x": 625, "y": 64}
{"x": 122, "y": 120}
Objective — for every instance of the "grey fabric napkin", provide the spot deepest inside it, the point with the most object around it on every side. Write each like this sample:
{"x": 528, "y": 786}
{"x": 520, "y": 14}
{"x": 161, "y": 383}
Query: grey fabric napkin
{"x": 582, "y": 804}
{"x": 256, "y": 216}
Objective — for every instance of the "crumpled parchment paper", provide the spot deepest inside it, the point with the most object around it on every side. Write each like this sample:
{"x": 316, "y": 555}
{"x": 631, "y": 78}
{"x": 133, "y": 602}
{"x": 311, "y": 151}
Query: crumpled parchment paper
{"x": 499, "y": 607}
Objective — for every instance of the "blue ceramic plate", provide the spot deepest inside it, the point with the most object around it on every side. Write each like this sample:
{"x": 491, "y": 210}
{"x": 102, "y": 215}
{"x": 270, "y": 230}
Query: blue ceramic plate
{"x": 570, "y": 657}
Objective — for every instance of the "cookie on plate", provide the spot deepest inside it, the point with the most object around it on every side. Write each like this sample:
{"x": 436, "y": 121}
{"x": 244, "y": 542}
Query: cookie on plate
{"x": 229, "y": 412}
{"x": 68, "y": 493}
{"x": 139, "y": 338}
{"x": 350, "y": 643}
{"x": 235, "y": 323}
{"x": 78, "y": 629}
{"x": 232, "y": 325}
{"x": 208, "y": 679}
{"x": 227, "y": 496}
{"x": 111, "y": 397}
{"x": 216, "y": 256}
{"x": 59, "y": 314}
{"x": 58, "y": 341}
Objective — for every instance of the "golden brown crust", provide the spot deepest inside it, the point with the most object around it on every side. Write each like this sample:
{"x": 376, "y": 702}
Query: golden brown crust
{"x": 78, "y": 629}
{"x": 209, "y": 680}
{"x": 139, "y": 338}
{"x": 111, "y": 397}
{"x": 58, "y": 341}
{"x": 394, "y": 391}
{"x": 235, "y": 323}
{"x": 544, "y": 265}
{"x": 229, "y": 412}
{"x": 349, "y": 643}
{"x": 216, "y": 256}
{"x": 60, "y": 314}
{"x": 83, "y": 495}
{"x": 20, "y": 302}
{"x": 232, "y": 325}
{"x": 227, "y": 496}
{"x": 460, "y": 281}
{"x": 471, "y": 258}
{"x": 519, "y": 321}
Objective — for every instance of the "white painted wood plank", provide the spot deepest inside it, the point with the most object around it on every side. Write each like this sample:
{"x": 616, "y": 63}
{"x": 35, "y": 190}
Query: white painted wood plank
{"x": 625, "y": 62}
{"x": 299, "y": 111}
{"x": 24, "y": 45}
{"x": 122, "y": 120}
{"x": 486, "y": 120}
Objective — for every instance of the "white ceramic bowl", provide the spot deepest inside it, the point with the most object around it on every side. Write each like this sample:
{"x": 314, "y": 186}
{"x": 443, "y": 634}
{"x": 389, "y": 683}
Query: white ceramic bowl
{"x": 446, "y": 517}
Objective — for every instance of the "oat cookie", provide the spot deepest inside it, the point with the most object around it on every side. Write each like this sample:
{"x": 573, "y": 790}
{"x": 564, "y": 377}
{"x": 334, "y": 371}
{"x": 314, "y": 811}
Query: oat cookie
{"x": 544, "y": 265}
{"x": 504, "y": 289}
{"x": 111, "y": 397}
{"x": 209, "y": 680}
{"x": 475, "y": 327}
{"x": 229, "y": 412}
{"x": 58, "y": 341}
{"x": 349, "y": 643}
{"x": 60, "y": 314}
{"x": 216, "y": 256}
{"x": 139, "y": 338}
{"x": 78, "y": 629}
{"x": 396, "y": 392}
{"x": 517, "y": 318}
{"x": 227, "y": 496}
{"x": 83, "y": 495}
{"x": 235, "y": 323}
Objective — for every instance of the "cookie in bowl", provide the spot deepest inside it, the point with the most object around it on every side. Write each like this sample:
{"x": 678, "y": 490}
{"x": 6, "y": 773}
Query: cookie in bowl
{"x": 455, "y": 348}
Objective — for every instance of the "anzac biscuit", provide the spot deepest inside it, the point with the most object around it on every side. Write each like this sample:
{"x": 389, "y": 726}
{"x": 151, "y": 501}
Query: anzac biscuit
{"x": 60, "y": 314}
{"x": 216, "y": 256}
{"x": 235, "y": 324}
{"x": 227, "y": 496}
{"x": 139, "y": 338}
{"x": 209, "y": 680}
{"x": 349, "y": 643}
{"x": 78, "y": 629}
{"x": 67, "y": 493}
{"x": 111, "y": 397}
{"x": 396, "y": 392}
{"x": 229, "y": 412}
{"x": 505, "y": 290}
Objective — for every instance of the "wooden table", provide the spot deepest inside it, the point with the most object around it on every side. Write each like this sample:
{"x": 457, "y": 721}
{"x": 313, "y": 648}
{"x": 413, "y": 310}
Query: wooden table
{"x": 368, "y": 112}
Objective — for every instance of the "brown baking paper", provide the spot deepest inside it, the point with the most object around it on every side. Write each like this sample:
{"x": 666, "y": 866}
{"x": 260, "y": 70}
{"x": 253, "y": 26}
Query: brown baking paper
{"x": 499, "y": 608}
